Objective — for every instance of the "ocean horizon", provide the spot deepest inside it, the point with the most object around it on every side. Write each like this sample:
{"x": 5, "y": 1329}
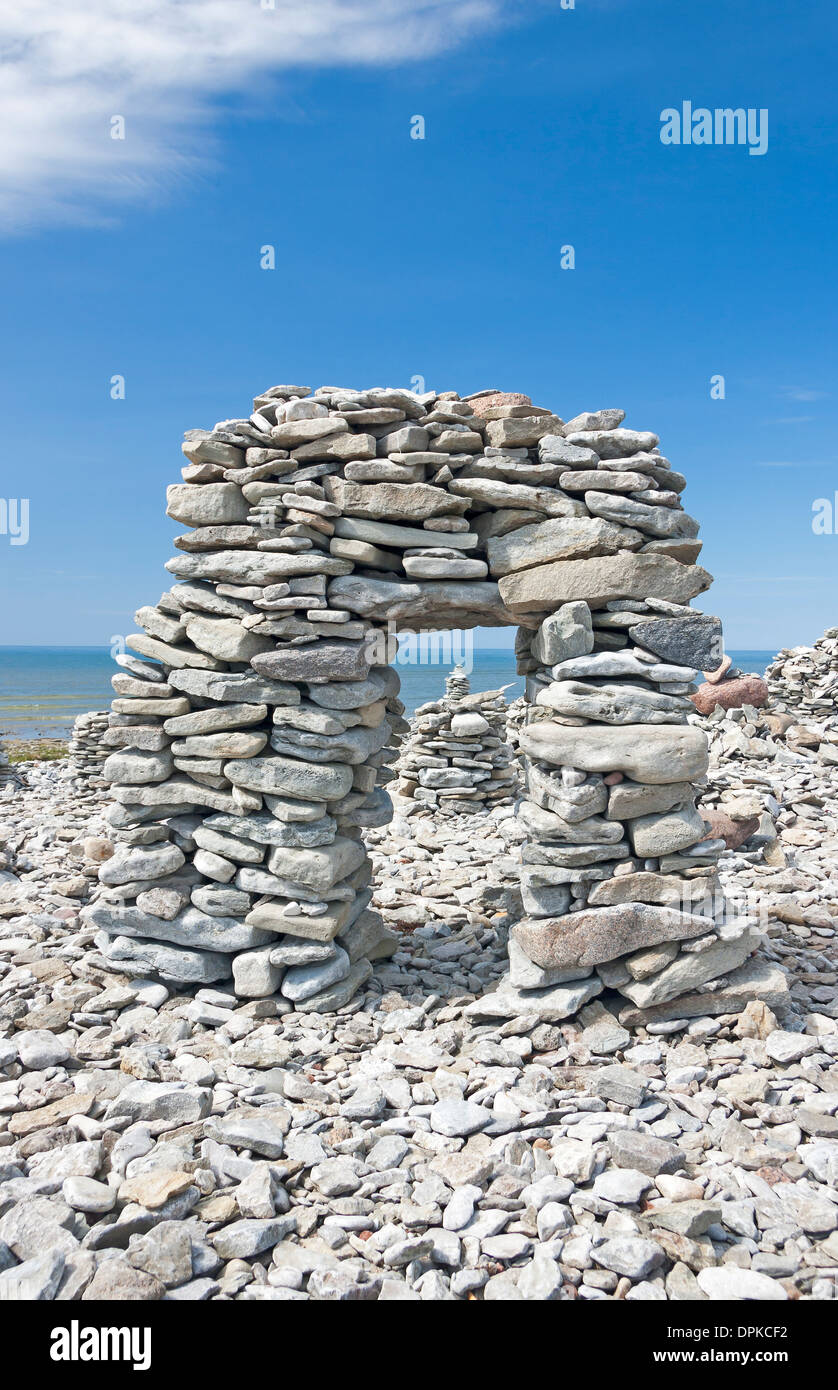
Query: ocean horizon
{"x": 44, "y": 688}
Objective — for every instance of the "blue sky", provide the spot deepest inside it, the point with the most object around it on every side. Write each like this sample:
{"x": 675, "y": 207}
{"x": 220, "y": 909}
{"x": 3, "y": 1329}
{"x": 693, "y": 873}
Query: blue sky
{"x": 397, "y": 258}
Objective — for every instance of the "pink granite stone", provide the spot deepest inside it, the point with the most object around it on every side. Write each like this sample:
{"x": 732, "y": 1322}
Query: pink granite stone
{"x": 732, "y": 694}
{"x": 499, "y": 398}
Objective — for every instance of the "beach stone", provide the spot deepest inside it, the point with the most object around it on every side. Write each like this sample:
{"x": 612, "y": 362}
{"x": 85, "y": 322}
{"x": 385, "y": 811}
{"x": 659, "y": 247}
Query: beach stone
{"x": 666, "y": 832}
{"x": 33, "y": 1281}
{"x": 550, "y": 1004}
{"x": 315, "y": 661}
{"x": 646, "y": 752}
{"x": 630, "y": 1256}
{"x": 694, "y": 641}
{"x": 644, "y": 1152}
{"x": 612, "y": 443}
{"x": 730, "y": 1284}
{"x": 731, "y": 694}
{"x": 87, "y": 1195}
{"x": 290, "y": 776}
{"x": 599, "y": 580}
{"x": 625, "y": 1186}
{"x": 303, "y": 981}
{"x": 224, "y": 638}
{"x": 210, "y": 504}
{"x": 594, "y": 935}
{"x": 558, "y": 538}
{"x": 459, "y": 1118}
{"x": 756, "y": 980}
{"x": 787, "y": 1048}
{"x": 564, "y": 634}
{"x": 38, "y": 1048}
{"x": 733, "y": 832}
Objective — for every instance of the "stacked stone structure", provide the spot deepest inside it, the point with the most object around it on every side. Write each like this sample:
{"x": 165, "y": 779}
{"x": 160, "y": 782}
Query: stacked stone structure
{"x": 252, "y": 732}
{"x": 457, "y": 759}
{"x": 7, "y": 772}
{"x": 88, "y": 750}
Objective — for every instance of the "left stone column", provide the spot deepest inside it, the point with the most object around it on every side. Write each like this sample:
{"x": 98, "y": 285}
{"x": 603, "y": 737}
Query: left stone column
{"x": 250, "y": 734}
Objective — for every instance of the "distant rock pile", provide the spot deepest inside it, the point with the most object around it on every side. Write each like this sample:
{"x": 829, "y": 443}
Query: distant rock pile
{"x": 803, "y": 681}
{"x": 796, "y": 718}
{"x": 457, "y": 758}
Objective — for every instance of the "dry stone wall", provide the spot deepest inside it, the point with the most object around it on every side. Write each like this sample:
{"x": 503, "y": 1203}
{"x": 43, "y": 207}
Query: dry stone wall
{"x": 253, "y": 726}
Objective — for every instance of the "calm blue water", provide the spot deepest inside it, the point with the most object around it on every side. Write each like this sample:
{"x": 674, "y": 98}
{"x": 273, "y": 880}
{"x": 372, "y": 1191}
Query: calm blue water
{"x": 42, "y": 689}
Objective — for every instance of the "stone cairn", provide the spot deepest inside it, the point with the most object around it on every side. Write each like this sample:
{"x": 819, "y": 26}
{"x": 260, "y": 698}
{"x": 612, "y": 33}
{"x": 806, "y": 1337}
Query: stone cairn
{"x": 457, "y": 759}
{"x": 88, "y": 751}
{"x": 8, "y": 777}
{"x": 250, "y": 731}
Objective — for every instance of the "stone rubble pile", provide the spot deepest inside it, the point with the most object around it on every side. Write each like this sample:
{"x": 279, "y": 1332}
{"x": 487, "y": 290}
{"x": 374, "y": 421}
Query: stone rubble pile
{"x": 456, "y": 759}
{"x": 797, "y": 720}
{"x": 254, "y": 730}
{"x": 804, "y": 680}
{"x": 160, "y": 1143}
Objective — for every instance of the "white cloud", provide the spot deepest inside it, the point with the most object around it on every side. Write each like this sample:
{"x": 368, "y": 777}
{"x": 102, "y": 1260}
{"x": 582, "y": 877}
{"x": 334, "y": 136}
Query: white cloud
{"x": 69, "y": 67}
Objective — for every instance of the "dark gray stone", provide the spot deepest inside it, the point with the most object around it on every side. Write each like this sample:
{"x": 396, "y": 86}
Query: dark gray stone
{"x": 695, "y": 642}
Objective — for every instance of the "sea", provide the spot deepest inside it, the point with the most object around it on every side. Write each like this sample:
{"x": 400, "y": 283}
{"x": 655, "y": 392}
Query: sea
{"x": 43, "y": 689}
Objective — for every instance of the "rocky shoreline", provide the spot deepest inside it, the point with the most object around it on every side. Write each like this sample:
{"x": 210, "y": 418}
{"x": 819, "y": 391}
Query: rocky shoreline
{"x": 169, "y": 1143}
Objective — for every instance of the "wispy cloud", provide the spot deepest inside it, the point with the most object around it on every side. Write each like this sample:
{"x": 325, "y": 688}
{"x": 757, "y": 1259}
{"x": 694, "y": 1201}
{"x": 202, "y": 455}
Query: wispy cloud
{"x": 69, "y": 68}
{"x": 804, "y": 393}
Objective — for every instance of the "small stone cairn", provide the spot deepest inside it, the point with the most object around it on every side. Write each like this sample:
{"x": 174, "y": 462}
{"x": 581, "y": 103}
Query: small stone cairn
{"x": 8, "y": 776}
{"x": 252, "y": 731}
{"x": 457, "y": 759}
{"x": 88, "y": 751}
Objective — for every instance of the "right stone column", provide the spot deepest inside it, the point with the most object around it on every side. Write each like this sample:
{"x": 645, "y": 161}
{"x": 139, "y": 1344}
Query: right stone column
{"x": 619, "y": 879}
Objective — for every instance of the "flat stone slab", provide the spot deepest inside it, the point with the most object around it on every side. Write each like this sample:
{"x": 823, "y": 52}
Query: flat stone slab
{"x": 599, "y": 581}
{"x": 756, "y": 979}
{"x": 646, "y": 752}
{"x": 548, "y": 1005}
{"x": 594, "y": 935}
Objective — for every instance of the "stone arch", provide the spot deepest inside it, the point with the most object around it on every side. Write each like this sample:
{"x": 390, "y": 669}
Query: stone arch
{"x": 252, "y": 727}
